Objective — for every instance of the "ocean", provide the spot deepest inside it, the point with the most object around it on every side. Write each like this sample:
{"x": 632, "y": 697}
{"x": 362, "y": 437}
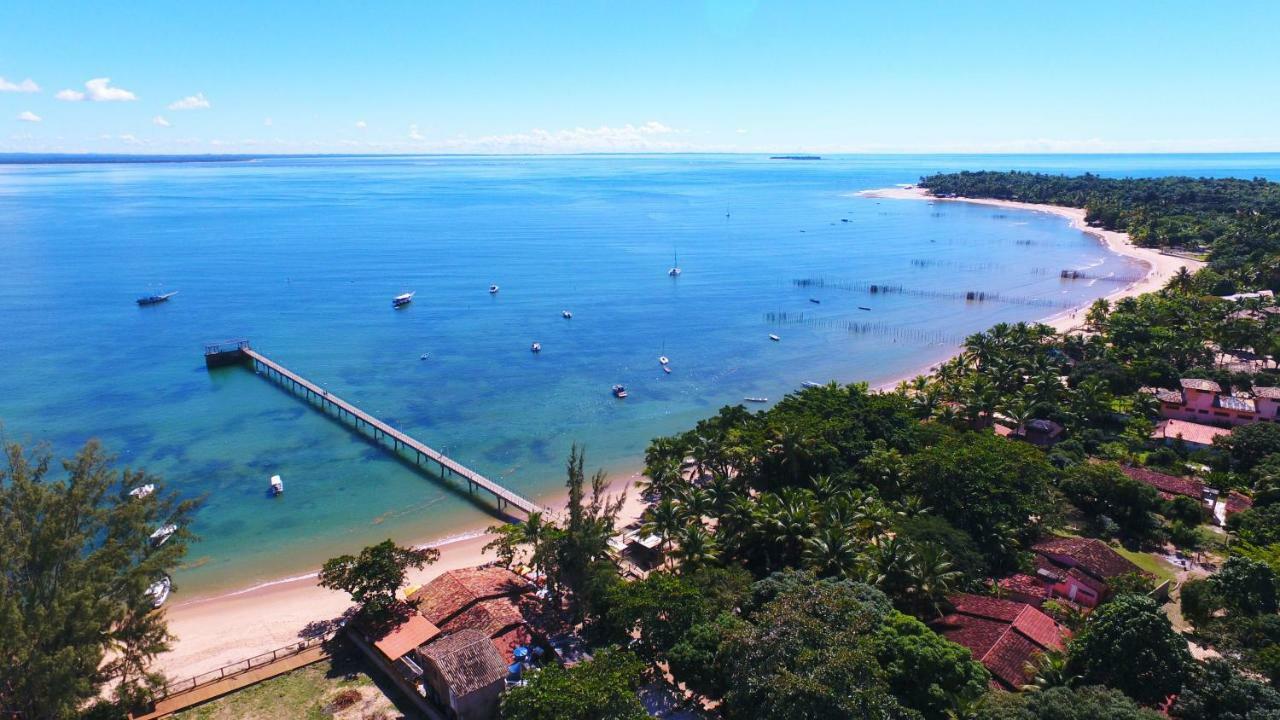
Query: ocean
{"x": 302, "y": 257}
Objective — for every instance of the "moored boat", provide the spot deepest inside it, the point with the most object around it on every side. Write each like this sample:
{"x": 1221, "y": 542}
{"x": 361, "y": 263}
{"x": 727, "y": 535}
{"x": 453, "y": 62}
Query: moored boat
{"x": 156, "y": 299}
{"x": 403, "y": 299}
{"x": 277, "y": 485}
{"x": 142, "y": 491}
{"x": 536, "y": 347}
{"x": 493, "y": 289}
{"x": 158, "y": 591}
{"x": 756, "y": 399}
{"x": 675, "y": 265}
{"x": 619, "y": 391}
{"x": 566, "y": 314}
{"x": 663, "y": 360}
{"x": 774, "y": 338}
{"x": 811, "y": 384}
{"x": 815, "y": 301}
{"x": 162, "y": 534}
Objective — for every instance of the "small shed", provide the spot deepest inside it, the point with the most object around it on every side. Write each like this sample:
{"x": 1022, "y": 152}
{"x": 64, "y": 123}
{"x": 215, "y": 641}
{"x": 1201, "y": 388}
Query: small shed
{"x": 465, "y": 673}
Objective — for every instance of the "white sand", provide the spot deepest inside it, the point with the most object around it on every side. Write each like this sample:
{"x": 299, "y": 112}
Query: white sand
{"x": 1160, "y": 266}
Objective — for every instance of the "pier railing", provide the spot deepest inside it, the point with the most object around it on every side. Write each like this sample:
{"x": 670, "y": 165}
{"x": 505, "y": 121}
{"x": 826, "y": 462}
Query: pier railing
{"x": 242, "y": 666}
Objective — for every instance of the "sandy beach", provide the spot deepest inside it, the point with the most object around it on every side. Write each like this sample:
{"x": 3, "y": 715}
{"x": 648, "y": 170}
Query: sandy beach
{"x": 215, "y": 631}
{"x": 1159, "y": 266}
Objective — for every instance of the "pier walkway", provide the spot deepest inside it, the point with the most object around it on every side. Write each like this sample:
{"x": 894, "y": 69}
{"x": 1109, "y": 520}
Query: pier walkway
{"x": 216, "y": 355}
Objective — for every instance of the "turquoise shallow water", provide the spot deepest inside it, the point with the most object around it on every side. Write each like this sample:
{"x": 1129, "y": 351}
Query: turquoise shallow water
{"x": 302, "y": 256}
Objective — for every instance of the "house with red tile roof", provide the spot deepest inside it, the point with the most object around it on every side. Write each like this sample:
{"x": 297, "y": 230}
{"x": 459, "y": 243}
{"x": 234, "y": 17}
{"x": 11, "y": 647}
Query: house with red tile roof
{"x": 1190, "y": 433}
{"x": 1077, "y": 569}
{"x": 1169, "y": 486}
{"x": 1004, "y": 635}
{"x": 452, "y": 592}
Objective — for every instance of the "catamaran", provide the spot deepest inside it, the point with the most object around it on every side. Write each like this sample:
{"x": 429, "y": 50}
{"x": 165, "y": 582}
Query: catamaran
{"x": 156, "y": 299}
{"x": 403, "y": 299}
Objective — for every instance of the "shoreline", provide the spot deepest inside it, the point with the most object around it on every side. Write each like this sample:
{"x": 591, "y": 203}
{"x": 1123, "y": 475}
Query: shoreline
{"x": 224, "y": 627}
{"x": 1159, "y": 266}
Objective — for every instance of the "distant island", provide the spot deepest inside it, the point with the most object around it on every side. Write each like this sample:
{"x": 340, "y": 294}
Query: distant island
{"x": 795, "y": 157}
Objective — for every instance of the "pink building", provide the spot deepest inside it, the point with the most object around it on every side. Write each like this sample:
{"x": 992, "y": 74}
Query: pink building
{"x": 1203, "y": 401}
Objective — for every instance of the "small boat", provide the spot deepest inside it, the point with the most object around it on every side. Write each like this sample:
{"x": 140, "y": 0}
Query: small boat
{"x": 566, "y": 314}
{"x": 142, "y": 491}
{"x": 774, "y": 338}
{"x": 536, "y": 347}
{"x": 666, "y": 369}
{"x": 864, "y": 307}
{"x": 756, "y": 399}
{"x": 619, "y": 391}
{"x": 156, "y": 299}
{"x": 424, "y": 356}
{"x": 810, "y": 384}
{"x": 675, "y": 265}
{"x": 403, "y": 299}
{"x": 277, "y": 485}
{"x": 162, "y": 534}
{"x": 493, "y": 289}
{"x": 815, "y": 301}
{"x": 663, "y": 360}
{"x": 158, "y": 591}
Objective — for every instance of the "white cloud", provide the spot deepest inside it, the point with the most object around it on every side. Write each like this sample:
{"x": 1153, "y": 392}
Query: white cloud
{"x": 128, "y": 139}
{"x": 742, "y": 131}
{"x": 652, "y": 136}
{"x": 191, "y": 102}
{"x": 414, "y": 134}
{"x": 161, "y": 121}
{"x": 267, "y": 122}
{"x": 28, "y": 116}
{"x": 26, "y": 86}
{"x": 360, "y": 124}
{"x": 97, "y": 90}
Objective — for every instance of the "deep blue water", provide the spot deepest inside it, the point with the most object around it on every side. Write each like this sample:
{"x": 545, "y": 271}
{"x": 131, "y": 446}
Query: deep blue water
{"x": 303, "y": 255}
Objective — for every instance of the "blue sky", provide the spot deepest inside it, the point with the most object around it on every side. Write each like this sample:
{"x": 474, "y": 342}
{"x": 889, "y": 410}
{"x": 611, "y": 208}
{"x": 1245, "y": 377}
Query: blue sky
{"x": 709, "y": 75}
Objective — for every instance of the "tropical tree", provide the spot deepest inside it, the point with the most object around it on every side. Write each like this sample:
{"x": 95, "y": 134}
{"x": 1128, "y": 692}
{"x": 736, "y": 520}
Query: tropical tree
{"x": 602, "y": 688}
{"x": 373, "y": 577}
{"x": 1128, "y": 644}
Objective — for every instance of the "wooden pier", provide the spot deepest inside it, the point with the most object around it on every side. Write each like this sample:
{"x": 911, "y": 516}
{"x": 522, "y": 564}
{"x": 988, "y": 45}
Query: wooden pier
{"x": 239, "y": 351}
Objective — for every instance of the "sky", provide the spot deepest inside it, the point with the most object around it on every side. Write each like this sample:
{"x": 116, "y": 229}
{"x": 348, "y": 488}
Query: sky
{"x": 628, "y": 76}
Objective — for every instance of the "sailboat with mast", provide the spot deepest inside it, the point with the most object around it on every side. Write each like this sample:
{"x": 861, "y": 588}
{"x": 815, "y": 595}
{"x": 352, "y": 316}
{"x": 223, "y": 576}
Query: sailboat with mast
{"x": 675, "y": 264}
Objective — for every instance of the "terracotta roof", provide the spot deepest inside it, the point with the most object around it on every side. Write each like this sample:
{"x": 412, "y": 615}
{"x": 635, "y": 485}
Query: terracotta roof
{"x": 452, "y": 592}
{"x": 406, "y": 636}
{"x": 507, "y": 641}
{"x": 1202, "y": 385}
{"x": 1170, "y": 484}
{"x": 1001, "y": 634}
{"x": 1169, "y": 396}
{"x": 1237, "y": 502}
{"x": 1092, "y": 556}
{"x": 1271, "y": 393}
{"x": 467, "y": 661}
{"x": 1190, "y": 432}
{"x": 490, "y": 617}
{"x": 1028, "y": 588}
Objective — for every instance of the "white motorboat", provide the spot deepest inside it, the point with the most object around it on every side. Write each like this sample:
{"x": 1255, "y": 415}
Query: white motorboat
{"x": 756, "y": 399}
{"x": 277, "y": 485}
{"x": 536, "y": 347}
{"x": 493, "y": 289}
{"x": 666, "y": 369}
{"x": 142, "y": 491}
{"x": 663, "y": 360}
{"x": 162, "y": 534}
{"x": 811, "y": 384}
{"x": 158, "y": 591}
{"x": 566, "y": 314}
{"x": 403, "y": 299}
{"x": 774, "y": 338}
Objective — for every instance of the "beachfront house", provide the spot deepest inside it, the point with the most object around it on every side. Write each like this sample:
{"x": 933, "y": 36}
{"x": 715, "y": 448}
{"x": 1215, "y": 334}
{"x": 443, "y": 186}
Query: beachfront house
{"x": 464, "y": 674}
{"x": 1004, "y": 635}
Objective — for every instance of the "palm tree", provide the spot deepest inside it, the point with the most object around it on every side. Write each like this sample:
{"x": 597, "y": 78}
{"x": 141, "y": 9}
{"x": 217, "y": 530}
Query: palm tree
{"x": 1050, "y": 669}
{"x": 533, "y": 531}
{"x": 1181, "y": 280}
{"x": 695, "y": 504}
{"x": 931, "y": 576}
{"x": 664, "y": 520}
{"x": 885, "y": 564}
{"x": 696, "y": 548}
{"x": 786, "y": 519}
{"x": 832, "y": 552}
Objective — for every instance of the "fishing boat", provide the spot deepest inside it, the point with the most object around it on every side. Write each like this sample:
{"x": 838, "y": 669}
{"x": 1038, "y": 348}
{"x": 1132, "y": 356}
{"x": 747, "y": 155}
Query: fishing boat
{"x": 663, "y": 360}
{"x": 810, "y": 384}
{"x": 277, "y": 485}
{"x": 619, "y": 391}
{"x": 162, "y": 534}
{"x": 142, "y": 491}
{"x": 566, "y": 314}
{"x": 774, "y": 338}
{"x": 536, "y": 347}
{"x": 424, "y": 356}
{"x": 402, "y": 300}
{"x": 864, "y": 307}
{"x": 156, "y": 299}
{"x": 815, "y": 301}
{"x": 675, "y": 265}
{"x": 756, "y": 399}
{"x": 158, "y": 591}
{"x": 493, "y": 289}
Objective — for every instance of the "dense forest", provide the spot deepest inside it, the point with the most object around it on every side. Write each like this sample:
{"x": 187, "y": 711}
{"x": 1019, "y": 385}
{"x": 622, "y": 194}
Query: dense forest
{"x": 1237, "y": 222}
